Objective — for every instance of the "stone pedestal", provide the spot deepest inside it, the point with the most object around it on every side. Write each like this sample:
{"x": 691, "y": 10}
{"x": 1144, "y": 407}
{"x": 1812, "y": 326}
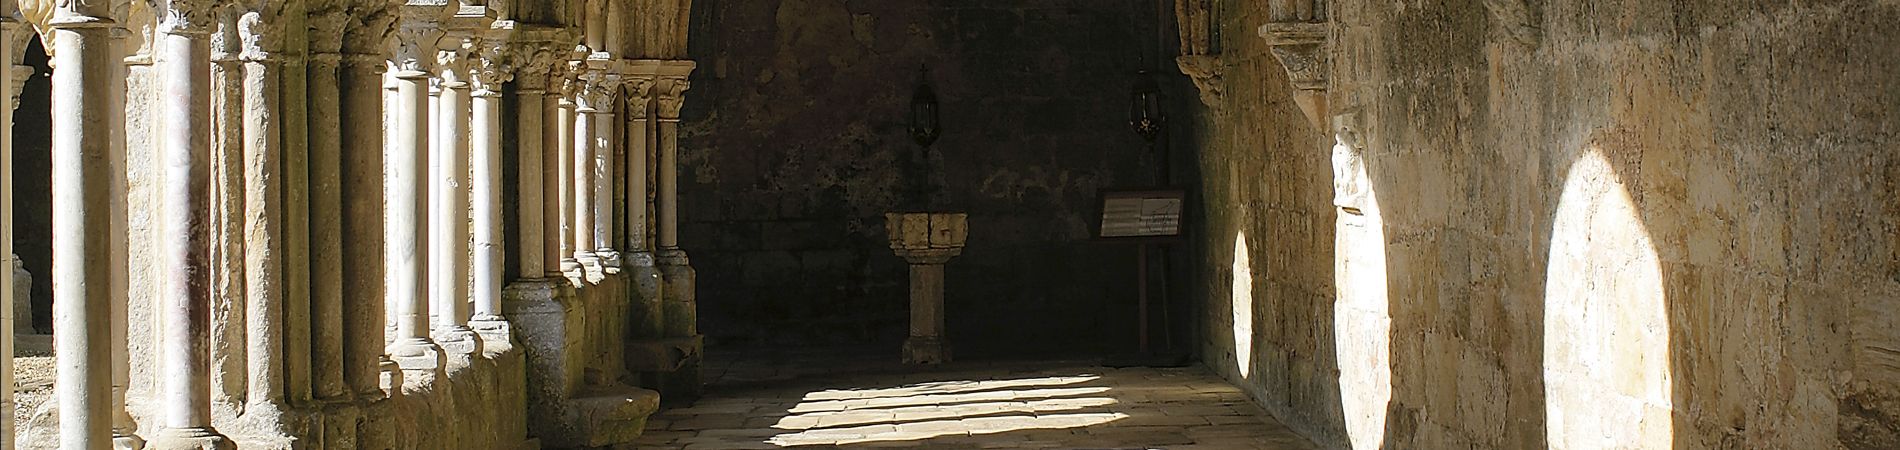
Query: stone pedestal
{"x": 927, "y": 240}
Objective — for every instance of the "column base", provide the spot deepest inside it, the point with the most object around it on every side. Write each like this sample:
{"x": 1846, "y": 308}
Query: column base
{"x": 591, "y": 269}
{"x": 191, "y": 439}
{"x": 416, "y": 354}
{"x": 127, "y": 441}
{"x": 571, "y": 268}
{"x": 926, "y": 350}
{"x": 496, "y": 334}
{"x": 610, "y": 261}
{"x": 457, "y": 340}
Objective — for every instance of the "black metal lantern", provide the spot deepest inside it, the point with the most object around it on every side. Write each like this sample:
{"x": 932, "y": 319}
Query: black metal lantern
{"x": 1144, "y": 114}
{"x": 923, "y": 112}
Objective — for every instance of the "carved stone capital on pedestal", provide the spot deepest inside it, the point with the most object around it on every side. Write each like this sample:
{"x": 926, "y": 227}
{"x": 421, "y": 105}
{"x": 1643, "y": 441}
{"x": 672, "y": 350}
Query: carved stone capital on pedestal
{"x": 1302, "y": 50}
{"x": 927, "y": 240}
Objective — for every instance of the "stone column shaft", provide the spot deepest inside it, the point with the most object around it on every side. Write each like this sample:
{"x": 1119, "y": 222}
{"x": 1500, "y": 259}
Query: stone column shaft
{"x": 486, "y": 184}
{"x": 405, "y": 157}
{"x": 564, "y": 137}
{"x": 184, "y": 140}
{"x": 361, "y": 116}
{"x": 551, "y": 182}
{"x": 448, "y": 205}
{"x": 603, "y": 141}
{"x": 264, "y": 233}
{"x": 85, "y": 83}
{"x": 531, "y": 199}
{"x": 124, "y": 429}
{"x": 584, "y": 170}
{"x": 326, "y": 222}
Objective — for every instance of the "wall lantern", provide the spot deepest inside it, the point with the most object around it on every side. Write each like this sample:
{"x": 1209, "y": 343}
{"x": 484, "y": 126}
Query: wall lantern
{"x": 923, "y": 111}
{"x": 1144, "y": 113}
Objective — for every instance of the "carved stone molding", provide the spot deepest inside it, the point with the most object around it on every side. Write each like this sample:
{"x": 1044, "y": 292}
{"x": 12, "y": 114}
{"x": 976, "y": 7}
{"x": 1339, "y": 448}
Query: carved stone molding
{"x": 1206, "y": 71}
{"x": 1301, "y": 48}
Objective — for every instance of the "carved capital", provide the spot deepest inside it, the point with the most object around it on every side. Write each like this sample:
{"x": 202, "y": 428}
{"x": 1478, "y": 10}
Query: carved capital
{"x": 258, "y": 37}
{"x": 494, "y": 66}
{"x": 184, "y": 17}
{"x": 418, "y": 31}
{"x": 596, "y": 91}
{"x": 368, "y": 29}
{"x": 326, "y": 31}
{"x": 640, "y": 95}
{"x": 671, "y": 93}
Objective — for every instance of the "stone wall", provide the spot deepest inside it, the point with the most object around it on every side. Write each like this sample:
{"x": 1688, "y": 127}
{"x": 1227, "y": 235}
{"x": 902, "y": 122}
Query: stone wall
{"x": 796, "y": 144}
{"x": 1586, "y": 224}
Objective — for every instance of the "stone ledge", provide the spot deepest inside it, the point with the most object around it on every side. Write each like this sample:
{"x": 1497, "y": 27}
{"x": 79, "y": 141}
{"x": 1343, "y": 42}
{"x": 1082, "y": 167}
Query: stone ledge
{"x": 663, "y": 354}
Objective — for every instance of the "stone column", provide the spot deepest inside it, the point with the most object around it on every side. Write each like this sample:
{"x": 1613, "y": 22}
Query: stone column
{"x": 679, "y": 306}
{"x": 584, "y": 179}
{"x": 84, "y": 87}
{"x": 264, "y": 231}
{"x": 405, "y": 158}
{"x": 603, "y": 92}
{"x": 490, "y": 72}
{"x": 642, "y": 269}
{"x": 124, "y": 427}
{"x": 531, "y": 87}
{"x": 326, "y": 201}
{"x": 183, "y": 57}
{"x": 448, "y": 203}
{"x": 553, "y": 174}
{"x": 361, "y": 116}
{"x": 570, "y": 264}
{"x": 361, "y": 126}
{"x": 681, "y": 311}
{"x": 227, "y": 78}
{"x": 927, "y": 241}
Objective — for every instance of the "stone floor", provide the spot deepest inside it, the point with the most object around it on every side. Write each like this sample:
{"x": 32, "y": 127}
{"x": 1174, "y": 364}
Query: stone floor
{"x": 774, "y": 400}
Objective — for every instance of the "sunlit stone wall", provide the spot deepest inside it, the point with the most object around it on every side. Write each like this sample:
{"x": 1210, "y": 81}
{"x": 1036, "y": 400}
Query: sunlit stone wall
{"x": 1631, "y": 224}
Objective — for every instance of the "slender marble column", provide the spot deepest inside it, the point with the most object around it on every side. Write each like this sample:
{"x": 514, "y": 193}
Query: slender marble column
{"x": 584, "y": 170}
{"x": 184, "y": 140}
{"x": 84, "y": 86}
{"x": 490, "y": 72}
{"x": 405, "y": 158}
{"x": 449, "y": 203}
{"x": 326, "y": 200}
{"x": 570, "y": 265}
{"x": 597, "y": 102}
{"x": 227, "y": 77}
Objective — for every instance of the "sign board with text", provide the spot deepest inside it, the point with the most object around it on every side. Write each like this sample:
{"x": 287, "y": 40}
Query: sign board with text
{"x": 1141, "y": 215}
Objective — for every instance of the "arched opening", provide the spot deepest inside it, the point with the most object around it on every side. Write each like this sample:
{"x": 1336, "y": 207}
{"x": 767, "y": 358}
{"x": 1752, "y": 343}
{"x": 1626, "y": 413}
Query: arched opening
{"x": 1362, "y": 317}
{"x": 32, "y": 184}
{"x": 1606, "y": 322}
{"x": 1242, "y": 302}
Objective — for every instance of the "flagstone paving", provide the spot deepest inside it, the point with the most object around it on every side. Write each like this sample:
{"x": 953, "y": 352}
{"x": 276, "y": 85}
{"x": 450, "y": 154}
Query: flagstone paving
{"x": 864, "y": 403}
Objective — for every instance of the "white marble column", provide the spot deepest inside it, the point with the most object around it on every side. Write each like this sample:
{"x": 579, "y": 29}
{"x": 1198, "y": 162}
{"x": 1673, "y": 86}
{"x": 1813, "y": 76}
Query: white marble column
{"x": 489, "y": 73}
{"x": 404, "y": 160}
{"x": 85, "y": 84}
{"x": 584, "y": 179}
{"x": 602, "y": 95}
{"x": 449, "y": 202}
{"x": 183, "y": 68}
{"x": 124, "y": 426}
{"x": 565, "y": 116}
